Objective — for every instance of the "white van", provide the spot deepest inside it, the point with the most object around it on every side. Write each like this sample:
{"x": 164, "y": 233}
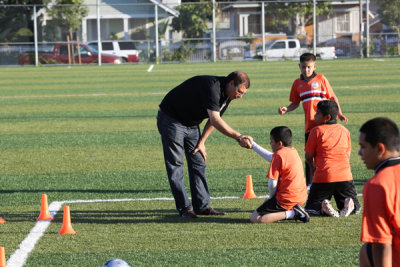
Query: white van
{"x": 124, "y": 49}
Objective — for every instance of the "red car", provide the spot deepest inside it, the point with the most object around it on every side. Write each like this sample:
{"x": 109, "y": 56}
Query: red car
{"x": 61, "y": 53}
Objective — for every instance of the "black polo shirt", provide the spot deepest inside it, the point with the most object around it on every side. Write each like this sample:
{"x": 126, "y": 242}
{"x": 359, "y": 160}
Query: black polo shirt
{"x": 189, "y": 101}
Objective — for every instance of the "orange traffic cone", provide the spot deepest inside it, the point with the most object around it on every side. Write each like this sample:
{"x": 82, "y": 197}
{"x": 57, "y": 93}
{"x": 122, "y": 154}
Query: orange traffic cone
{"x": 2, "y": 220}
{"x": 249, "y": 188}
{"x": 44, "y": 210}
{"x": 67, "y": 226}
{"x": 2, "y": 257}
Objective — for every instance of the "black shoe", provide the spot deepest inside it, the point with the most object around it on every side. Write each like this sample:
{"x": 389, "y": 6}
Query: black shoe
{"x": 189, "y": 214}
{"x": 301, "y": 214}
{"x": 211, "y": 211}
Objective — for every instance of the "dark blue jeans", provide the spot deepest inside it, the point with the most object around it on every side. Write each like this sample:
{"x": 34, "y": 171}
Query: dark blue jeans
{"x": 178, "y": 141}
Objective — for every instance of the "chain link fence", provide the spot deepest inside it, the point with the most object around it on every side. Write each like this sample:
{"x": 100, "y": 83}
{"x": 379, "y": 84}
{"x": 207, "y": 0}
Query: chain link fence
{"x": 190, "y": 32}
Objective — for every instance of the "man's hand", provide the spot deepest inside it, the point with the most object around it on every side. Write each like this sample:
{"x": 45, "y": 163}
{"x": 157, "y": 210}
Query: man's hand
{"x": 202, "y": 149}
{"x": 245, "y": 141}
{"x": 343, "y": 118}
{"x": 282, "y": 110}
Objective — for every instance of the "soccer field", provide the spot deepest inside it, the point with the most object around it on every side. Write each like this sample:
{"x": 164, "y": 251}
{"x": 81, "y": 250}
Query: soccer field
{"x": 86, "y": 133}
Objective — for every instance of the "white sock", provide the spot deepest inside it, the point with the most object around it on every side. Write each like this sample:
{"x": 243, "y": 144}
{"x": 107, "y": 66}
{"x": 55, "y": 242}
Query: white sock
{"x": 289, "y": 214}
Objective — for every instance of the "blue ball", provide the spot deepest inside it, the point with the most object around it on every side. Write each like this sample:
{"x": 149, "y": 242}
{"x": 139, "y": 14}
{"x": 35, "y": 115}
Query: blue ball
{"x": 116, "y": 263}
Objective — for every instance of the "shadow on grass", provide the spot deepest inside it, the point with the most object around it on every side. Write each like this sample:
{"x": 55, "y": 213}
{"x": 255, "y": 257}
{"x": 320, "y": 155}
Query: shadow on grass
{"x": 144, "y": 216}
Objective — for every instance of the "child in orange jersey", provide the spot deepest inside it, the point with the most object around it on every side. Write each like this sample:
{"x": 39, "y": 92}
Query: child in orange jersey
{"x": 309, "y": 89}
{"x": 287, "y": 187}
{"x": 379, "y": 149}
{"x": 328, "y": 153}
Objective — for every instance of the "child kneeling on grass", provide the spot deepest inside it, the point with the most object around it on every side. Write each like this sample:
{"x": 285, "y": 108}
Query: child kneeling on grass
{"x": 328, "y": 153}
{"x": 287, "y": 186}
{"x": 379, "y": 149}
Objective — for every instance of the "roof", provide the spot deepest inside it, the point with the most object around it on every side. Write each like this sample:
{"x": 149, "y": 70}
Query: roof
{"x": 168, "y": 9}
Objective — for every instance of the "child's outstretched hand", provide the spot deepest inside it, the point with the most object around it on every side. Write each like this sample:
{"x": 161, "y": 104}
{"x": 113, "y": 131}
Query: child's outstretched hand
{"x": 282, "y": 110}
{"x": 246, "y": 141}
{"x": 343, "y": 118}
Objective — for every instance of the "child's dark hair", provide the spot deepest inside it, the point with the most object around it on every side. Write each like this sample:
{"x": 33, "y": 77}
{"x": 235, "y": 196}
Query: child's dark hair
{"x": 328, "y": 107}
{"x": 306, "y": 57}
{"x": 382, "y": 130}
{"x": 282, "y": 133}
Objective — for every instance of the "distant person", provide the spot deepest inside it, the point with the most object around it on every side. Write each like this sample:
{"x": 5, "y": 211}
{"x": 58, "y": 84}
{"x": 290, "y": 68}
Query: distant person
{"x": 328, "y": 153}
{"x": 179, "y": 115}
{"x": 379, "y": 149}
{"x": 2, "y": 220}
{"x": 286, "y": 185}
{"x": 309, "y": 89}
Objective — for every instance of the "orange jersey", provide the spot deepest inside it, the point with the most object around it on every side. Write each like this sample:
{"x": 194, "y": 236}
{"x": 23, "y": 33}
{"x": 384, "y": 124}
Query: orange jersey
{"x": 310, "y": 93}
{"x": 330, "y": 144}
{"x": 287, "y": 168}
{"x": 381, "y": 214}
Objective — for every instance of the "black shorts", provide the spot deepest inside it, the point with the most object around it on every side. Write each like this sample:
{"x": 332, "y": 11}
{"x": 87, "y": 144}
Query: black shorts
{"x": 339, "y": 190}
{"x": 270, "y": 206}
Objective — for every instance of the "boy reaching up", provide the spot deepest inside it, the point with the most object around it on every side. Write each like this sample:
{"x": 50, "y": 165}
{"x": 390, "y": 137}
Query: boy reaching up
{"x": 287, "y": 187}
{"x": 379, "y": 149}
{"x": 328, "y": 153}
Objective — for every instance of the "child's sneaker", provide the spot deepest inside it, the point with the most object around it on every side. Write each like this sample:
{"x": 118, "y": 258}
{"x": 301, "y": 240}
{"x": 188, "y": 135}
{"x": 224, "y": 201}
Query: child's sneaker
{"x": 328, "y": 209}
{"x": 348, "y": 207}
{"x": 301, "y": 214}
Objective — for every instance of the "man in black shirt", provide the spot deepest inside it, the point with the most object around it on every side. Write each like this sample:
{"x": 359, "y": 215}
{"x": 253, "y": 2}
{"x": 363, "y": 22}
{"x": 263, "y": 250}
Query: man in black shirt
{"x": 179, "y": 115}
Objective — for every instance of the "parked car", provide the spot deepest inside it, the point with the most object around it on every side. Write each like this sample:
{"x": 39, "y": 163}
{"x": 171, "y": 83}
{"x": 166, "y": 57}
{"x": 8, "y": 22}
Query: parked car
{"x": 292, "y": 49}
{"x": 124, "y": 49}
{"x": 61, "y": 53}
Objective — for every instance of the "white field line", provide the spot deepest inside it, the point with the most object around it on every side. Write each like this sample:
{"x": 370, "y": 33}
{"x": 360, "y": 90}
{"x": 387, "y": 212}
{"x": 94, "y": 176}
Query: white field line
{"x": 150, "y": 68}
{"x": 19, "y": 257}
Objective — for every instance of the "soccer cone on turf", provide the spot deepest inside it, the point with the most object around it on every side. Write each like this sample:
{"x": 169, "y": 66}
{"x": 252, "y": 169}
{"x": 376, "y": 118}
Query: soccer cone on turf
{"x": 249, "y": 188}
{"x": 44, "y": 210}
{"x": 67, "y": 226}
{"x": 2, "y": 220}
{"x": 2, "y": 257}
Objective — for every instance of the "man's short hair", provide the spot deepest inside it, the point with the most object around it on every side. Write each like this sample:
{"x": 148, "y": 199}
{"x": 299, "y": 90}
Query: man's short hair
{"x": 239, "y": 77}
{"x": 328, "y": 107}
{"x": 382, "y": 130}
{"x": 282, "y": 133}
{"x": 306, "y": 57}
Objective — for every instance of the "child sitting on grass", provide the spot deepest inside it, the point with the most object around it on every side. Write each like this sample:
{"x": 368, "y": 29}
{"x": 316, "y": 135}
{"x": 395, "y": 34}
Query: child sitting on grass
{"x": 328, "y": 153}
{"x": 287, "y": 187}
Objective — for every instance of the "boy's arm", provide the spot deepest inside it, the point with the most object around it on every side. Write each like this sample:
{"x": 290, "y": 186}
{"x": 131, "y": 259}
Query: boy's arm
{"x": 262, "y": 151}
{"x": 310, "y": 161}
{"x": 382, "y": 254}
{"x": 340, "y": 115}
{"x": 292, "y": 106}
{"x": 272, "y": 184}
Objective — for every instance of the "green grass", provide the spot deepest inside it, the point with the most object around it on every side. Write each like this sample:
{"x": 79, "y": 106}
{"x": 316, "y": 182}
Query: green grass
{"x": 84, "y": 133}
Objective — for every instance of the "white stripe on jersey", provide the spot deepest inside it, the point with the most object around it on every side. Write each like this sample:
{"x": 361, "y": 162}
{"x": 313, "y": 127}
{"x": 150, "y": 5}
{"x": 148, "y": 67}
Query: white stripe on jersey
{"x": 313, "y": 92}
{"x": 313, "y": 98}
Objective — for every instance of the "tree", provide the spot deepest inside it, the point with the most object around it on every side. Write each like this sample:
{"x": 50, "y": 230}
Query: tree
{"x": 16, "y": 22}
{"x": 281, "y": 14}
{"x": 68, "y": 15}
{"x": 389, "y": 11}
{"x": 192, "y": 22}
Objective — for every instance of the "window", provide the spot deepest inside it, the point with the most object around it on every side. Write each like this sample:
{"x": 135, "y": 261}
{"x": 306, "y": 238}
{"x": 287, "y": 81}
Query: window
{"x": 343, "y": 22}
{"x": 127, "y": 46}
{"x": 292, "y": 44}
{"x": 278, "y": 45}
{"x": 63, "y": 50}
{"x": 107, "y": 46}
{"x": 254, "y": 24}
